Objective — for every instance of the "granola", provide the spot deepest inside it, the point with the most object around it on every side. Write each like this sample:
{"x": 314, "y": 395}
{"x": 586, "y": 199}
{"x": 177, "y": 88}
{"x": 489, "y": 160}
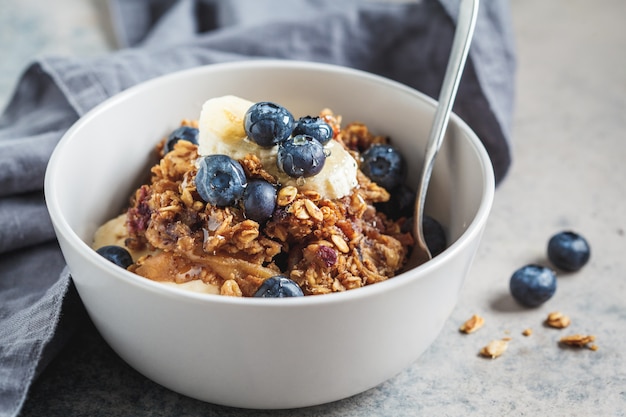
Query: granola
{"x": 579, "y": 340}
{"x": 558, "y": 320}
{"x": 472, "y": 324}
{"x": 324, "y": 245}
{"x": 495, "y": 348}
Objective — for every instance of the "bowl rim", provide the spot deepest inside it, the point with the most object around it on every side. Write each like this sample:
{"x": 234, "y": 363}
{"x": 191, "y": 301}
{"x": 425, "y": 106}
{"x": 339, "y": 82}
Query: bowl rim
{"x": 62, "y": 226}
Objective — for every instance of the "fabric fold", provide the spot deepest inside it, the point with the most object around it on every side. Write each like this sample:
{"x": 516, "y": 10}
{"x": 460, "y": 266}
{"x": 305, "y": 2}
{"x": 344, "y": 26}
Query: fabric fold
{"x": 28, "y": 320}
{"x": 24, "y": 221}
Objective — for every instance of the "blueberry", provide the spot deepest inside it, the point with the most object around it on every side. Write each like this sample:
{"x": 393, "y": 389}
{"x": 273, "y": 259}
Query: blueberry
{"x": 220, "y": 180}
{"x": 300, "y": 156}
{"x": 116, "y": 254}
{"x": 190, "y": 134}
{"x": 315, "y": 127}
{"x": 279, "y": 286}
{"x": 384, "y": 165}
{"x": 259, "y": 200}
{"x": 268, "y": 124}
{"x": 568, "y": 251}
{"x": 532, "y": 285}
{"x": 434, "y": 235}
{"x": 401, "y": 203}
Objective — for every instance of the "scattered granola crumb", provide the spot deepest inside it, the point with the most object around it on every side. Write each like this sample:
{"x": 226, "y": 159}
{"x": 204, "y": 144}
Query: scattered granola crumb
{"x": 495, "y": 348}
{"x": 578, "y": 340}
{"x": 558, "y": 320}
{"x": 472, "y": 324}
{"x": 594, "y": 347}
{"x": 507, "y": 339}
{"x": 527, "y": 332}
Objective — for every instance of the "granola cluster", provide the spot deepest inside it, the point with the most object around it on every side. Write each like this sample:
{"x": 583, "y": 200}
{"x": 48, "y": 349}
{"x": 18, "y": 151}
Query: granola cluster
{"x": 324, "y": 245}
{"x": 555, "y": 319}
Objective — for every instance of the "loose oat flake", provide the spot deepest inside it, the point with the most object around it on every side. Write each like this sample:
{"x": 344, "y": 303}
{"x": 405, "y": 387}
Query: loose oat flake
{"x": 472, "y": 324}
{"x": 579, "y": 340}
{"x": 527, "y": 332}
{"x": 495, "y": 348}
{"x": 558, "y": 320}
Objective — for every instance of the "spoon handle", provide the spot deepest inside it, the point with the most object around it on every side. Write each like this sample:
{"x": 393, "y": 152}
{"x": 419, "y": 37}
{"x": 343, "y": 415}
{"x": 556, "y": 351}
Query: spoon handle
{"x": 454, "y": 70}
{"x": 466, "y": 22}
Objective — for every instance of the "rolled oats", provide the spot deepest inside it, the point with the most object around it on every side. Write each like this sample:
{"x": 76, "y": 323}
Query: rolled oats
{"x": 557, "y": 320}
{"x": 495, "y": 348}
{"x": 230, "y": 288}
{"x": 340, "y": 243}
{"x": 472, "y": 324}
{"x": 286, "y": 195}
{"x": 314, "y": 211}
{"x": 299, "y": 209}
{"x": 578, "y": 340}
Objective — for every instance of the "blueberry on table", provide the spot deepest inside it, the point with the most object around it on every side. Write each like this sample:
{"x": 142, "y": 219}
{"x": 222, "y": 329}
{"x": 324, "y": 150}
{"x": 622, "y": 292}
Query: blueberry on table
{"x": 279, "y": 286}
{"x": 220, "y": 180}
{"x": 259, "y": 200}
{"x": 568, "y": 251}
{"x": 315, "y": 127}
{"x": 116, "y": 254}
{"x": 532, "y": 285}
{"x": 300, "y": 156}
{"x": 267, "y": 124}
{"x": 190, "y": 134}
{"x": 384, "y": 165}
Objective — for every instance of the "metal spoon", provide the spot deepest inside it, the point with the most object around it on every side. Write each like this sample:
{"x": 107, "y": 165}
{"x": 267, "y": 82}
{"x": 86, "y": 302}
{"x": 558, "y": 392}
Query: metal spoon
{"x": 458, "y": 55}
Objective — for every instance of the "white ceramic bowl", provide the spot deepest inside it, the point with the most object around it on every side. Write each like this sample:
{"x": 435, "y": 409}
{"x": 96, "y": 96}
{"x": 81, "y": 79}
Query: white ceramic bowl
{"x": 259, "y": 353}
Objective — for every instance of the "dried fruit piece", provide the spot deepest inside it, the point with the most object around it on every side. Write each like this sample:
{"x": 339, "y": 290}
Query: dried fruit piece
{"x": 495, "y": 348}
{"x": 472, "y": 324}
{"x": 558, "y": 320}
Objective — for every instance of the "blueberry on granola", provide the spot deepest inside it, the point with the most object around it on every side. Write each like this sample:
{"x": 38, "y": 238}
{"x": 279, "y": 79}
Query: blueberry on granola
{"x": 532, "y": 285}
{"x": 434, "y": 235}
{"x": 384, "y": 165}
{"x": 190, "y": 134}
{"x": 267, "y": 124}
{"x": 568, "y": 251}
{"x": 315, "y": 127}
{"x": 279, "y": 286}
{"x": 220, "y": 180}
{"x": 259, "y": 200}
{"x": 116, "y": 254}
{"x": 300, "y": 156}
{"x": 401, "y": 203}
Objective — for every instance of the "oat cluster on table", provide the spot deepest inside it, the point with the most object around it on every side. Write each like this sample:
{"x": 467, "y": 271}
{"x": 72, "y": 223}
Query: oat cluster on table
{"x": 555, "y": 319}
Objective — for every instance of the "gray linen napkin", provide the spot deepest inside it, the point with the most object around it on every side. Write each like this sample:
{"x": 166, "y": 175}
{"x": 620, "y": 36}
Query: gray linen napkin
{"x": 406, "y": 42}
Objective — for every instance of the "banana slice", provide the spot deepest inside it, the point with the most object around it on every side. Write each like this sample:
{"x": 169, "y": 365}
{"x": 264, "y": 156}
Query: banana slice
{"x": 222, "y": 132}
